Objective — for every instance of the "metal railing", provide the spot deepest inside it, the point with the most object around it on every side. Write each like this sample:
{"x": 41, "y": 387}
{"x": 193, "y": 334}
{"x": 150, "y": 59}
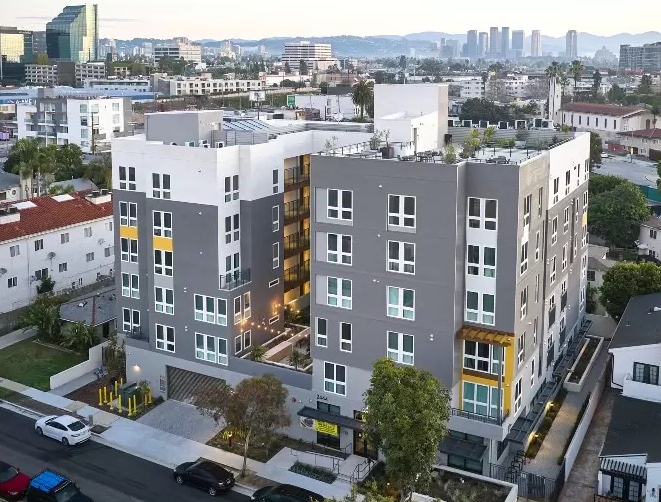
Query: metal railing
{"x": 563, "y": 301}
{"x": 295, "y": 175}
{"x": 234, "y": 280}
{"x": 362, "y": 470}
{"x": 478, "y": 416}
{"x": 552, "y": 316}
{"x": 296, "y": 241}
{"x": 136, "y": 333}
{"x": 298, "y": 273}
{"x": 296, "y": 208}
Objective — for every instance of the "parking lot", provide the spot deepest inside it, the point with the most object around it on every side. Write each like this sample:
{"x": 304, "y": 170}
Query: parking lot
{"x": 640, "y": 172}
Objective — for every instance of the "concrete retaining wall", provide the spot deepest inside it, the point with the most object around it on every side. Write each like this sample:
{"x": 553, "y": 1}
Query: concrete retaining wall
{"x": 512, "y": 495}
{"x": 94, "y": 360}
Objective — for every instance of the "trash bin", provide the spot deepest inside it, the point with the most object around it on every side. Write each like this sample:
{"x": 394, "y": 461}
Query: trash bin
{"x": 127, "y": 391}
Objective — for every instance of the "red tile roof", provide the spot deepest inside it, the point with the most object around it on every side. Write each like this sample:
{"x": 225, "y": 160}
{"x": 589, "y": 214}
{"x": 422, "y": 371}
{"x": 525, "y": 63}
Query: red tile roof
{"x": 643, "y": 133}
{"x": 50, "y": 214}
{"x": 602, "y": 109}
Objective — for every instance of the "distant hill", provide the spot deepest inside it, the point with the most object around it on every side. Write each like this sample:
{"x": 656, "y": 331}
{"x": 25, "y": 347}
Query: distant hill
{"x": 421, "y": 43}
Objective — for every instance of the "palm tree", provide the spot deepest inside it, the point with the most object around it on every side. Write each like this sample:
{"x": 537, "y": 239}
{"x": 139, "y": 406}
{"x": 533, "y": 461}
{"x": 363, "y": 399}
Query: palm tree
{"x": 553, "y": 72}
{"x": 576, "y": 70}
{"x": 362, "y": 95}
{"x": 257, "y": 352}
{"x": 656, "y": 110}
{"x": 296, "y": 359}
{"x": 38, "y": 167}
{"x": 80, "y": 337}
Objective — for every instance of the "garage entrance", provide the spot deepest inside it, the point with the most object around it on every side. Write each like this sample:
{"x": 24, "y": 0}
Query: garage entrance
{"x": 182, "y": 384}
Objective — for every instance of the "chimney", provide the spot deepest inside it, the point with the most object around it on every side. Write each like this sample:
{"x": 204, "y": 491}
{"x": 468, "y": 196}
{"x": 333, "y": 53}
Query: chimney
{"x": 9, "y": 215}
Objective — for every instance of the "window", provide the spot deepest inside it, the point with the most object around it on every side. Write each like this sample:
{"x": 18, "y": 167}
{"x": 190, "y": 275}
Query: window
{"x": 335, "y": 378}
{"x": 520, "y": 348}
{"x": 130, "y": 285}
{"x": 15, "y": 251}
{"x": 482, "y": 312}
{"x": 163, "y": 262}
{"x": 653, "y": 233}
{"x": 553, "y": 269}
{"x": 274, "y": 283}
{"x": 537, "y": 243}
{"x": 205, "y": 308}
{"x": 339, "y": 248}
{"x": 524, "y": 302}
{"x": 275, "y": 181}
{"x": 232, "y": 229}
{"x": 129, "y": 250}
{"x": 221, "y": 312}
{"x": 321, "y": 332}
{"x": 488, "y": 261}
{"x": 161, "y": 186}
{"x": 275, "y": 254}
{"x": 89, "y": 257}
{"x": 524, "y": 257}
{"x": 247, "y": 339}
{"x": 127, "y": 178}
{"x": 107, "y": 251}
{"x": 130, "y": 320}
{"x": 128, "y": 214}
{"x": 401, "y": 303}
{"x": 338, "y": 293}
{"x": 401, "y": 257}
{"x": 535, "y": 327}
{"x": 205, "y": 347}
{"x": 64, "y": 238}
{"x": 237, "y": 310}
{"x": 585, "y": 201}
{"x": 164, "y": 300}
{"x": 274, "y": 319}
{"x": 532, "y": 372}
{"x": 12, "y": 282}
{"x": 527, "y": 203}
{"x": 62, "y": 267}
{"x": 554, "y": 230}
{"x": 400, "y": 347}
{"x": 556, "y": 189}
{"x": 231, "y": 188}
{"x": 247, "y": 311}
{"x": 567, "y": 181}
{"x": 275, "y": 218}
{"x": 474, "y": 213}
{"x": 473, "y": 260}
{"x": 401, "y": 211}
{"x": 646, "y": 373}
{"x": 480, "y": 399}
{"x": 584, "y": 235}
{"x": 517, "y": 395}
{"x": 564, "y": 257}
{"x": 38, "y": 244}
{"x": 87, "y": 231}
{"x": 537, "y": 288}
{"x": 345, "y": 337}
{"x": 163, "y": 224}
{"x": 340, "y": 204}
{"x": 232, "y": 266}
{"x": 238, "y": 344}
{"x": 165, "y": 338}
{"x": 565, "y": 221}
{"x": 540, "y": 201}
{"x": 482, "y": 213}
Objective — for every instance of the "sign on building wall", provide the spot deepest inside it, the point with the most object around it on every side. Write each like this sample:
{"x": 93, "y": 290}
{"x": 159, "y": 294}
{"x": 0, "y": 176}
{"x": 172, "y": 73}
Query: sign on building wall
{"x": 291, "y": 100}
{"x": 319, "y": 426}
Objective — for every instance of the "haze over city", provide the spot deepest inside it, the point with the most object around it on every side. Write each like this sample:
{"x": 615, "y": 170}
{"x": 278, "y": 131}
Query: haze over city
{"x": 259, "y": 19}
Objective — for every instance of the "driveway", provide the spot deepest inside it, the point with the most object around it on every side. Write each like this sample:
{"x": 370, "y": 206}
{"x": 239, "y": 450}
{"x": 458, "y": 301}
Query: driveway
{"x": 181, "y": 419}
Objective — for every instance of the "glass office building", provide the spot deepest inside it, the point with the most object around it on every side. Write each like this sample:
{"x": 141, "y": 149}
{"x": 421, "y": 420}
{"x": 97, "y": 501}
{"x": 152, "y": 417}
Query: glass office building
{"x": 15, "y": 45}
{"x": 74, "y": 34}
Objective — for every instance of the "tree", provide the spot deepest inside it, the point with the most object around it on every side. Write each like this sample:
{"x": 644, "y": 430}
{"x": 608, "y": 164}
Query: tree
{"x": 576, "y": 70}
{"x": 496, "y": 90}
{"x": 408, "y": 411}
{"x": 591, "y": 299}
{"x": 287, "y": 68}
{"x": 450, "y": 156}
{"x": 655, "y": 111}
{"x": 115, "y": 358}
{"x": 658, "y": 173}
{"x": 323, "y": 87}
{"x": 616, "y": 94}
{"x": 24, "y": 151}
{"x": 476, "y": 109}
{"x": 302, "y": 67}
{"x": 256, "y": 408}
{"x": 645, "y": 86}
{"x": 296, "y": 359}
{"x": 69, "y": 162}
{"x": 44, "y": 315}
{"x": 99, "y": 171}
{"x": 600, "y": 183}
{"x": 596, "y": 148}
{"x": 626, "y": 279}
{"x": 79, "y": 338}
{"x": 616, "y": 215}
{"x": 361, "y": 95}
{"x": 46, "y": 285}
{"x": 402, "y": 62}
{"x": 488, "y": 135}
{"x": 257, "y": 352}
{"x": 596, "y": 81}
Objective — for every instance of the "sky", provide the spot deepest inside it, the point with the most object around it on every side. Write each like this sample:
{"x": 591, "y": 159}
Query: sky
{"x": 256, "y": 19}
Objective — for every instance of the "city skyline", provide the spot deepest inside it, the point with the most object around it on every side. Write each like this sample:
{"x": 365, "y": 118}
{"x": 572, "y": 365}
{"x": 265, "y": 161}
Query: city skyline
{"x": 150, "y": 19}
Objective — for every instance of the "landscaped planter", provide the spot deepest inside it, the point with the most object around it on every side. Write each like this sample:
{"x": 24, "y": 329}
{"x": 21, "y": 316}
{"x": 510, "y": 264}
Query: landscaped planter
{"x": 583, "y": 364}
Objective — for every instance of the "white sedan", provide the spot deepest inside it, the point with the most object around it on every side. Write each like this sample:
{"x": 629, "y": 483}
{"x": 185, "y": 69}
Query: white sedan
{"x": 68, "y": 430}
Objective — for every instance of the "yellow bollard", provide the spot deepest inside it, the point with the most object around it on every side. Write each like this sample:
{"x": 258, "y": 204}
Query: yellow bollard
{"x": 105, "y": 394}
{"x": 119, "y": 403}
{"x": 116, "y": 388}
{"x": 100, "y": 397}
{"x": 149, "y": 395}
{"x": 110, "y": 401}
{"x": 135, "y": 404}
{"x": 121, "y": 380}
{"x": 130, "y": 410}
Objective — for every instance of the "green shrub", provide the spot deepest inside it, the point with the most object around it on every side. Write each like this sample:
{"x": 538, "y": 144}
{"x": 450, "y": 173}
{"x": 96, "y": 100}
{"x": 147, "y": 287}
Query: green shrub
{"x": 314, "y": 472}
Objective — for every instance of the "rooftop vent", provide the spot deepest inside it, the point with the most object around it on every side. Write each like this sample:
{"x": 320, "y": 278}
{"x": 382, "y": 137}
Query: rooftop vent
{"x": 99, "y": 197}
{"x": 9, "y": 215}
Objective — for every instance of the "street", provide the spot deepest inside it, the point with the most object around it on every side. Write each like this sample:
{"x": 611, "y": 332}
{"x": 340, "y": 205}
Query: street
{"x": 104, "y": 474}
{"x": 640, "y": 172}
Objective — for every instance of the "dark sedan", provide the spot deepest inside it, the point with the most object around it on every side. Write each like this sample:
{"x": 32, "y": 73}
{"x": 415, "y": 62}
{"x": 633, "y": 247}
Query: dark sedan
{"x": 205, "y": 475}
{"x": 12, "y": 482}
{"x": 285, "y": 493}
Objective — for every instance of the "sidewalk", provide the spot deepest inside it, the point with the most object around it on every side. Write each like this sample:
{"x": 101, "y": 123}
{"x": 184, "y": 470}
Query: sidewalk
{"x": 167, "y": 449}
{"x": 16, "y": 336}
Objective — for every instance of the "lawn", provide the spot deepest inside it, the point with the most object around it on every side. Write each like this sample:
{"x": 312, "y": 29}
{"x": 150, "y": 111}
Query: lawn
{"x": 33, "y": 364}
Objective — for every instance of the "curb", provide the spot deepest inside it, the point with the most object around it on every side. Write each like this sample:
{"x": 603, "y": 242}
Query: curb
{"x": 8, "y": 405}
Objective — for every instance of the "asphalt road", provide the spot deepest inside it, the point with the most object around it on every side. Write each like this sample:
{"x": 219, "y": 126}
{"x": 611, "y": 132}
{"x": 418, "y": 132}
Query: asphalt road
{"x": 104, "y": 474}
{"x": 640, "y": 172}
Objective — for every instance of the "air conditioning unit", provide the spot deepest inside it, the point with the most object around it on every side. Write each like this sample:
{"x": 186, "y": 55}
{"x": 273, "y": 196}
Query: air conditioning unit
{"x": 172, "y": 143}
{"x": 220, "y": 144}
{"x": 206, "y": 145}
{"x": 203, "y": 142}
{"x": 190, "y": 143}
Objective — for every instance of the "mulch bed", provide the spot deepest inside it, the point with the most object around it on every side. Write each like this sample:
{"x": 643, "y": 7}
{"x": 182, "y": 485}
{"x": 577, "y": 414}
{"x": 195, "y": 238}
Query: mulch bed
{"x": 89, "y": 394}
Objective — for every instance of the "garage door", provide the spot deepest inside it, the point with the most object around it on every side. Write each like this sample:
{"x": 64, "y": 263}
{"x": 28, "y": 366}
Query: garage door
{"x": 182, "y": 384}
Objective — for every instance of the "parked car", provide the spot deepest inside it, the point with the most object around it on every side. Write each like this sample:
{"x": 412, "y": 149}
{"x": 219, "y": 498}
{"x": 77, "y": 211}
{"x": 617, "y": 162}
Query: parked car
{"x": 68, "y": 430}
{"x": 285, "y": 493}
{"x": 205, "y": 475}
{"x": 13, "y": 483}
{"x": 49, "y": 486}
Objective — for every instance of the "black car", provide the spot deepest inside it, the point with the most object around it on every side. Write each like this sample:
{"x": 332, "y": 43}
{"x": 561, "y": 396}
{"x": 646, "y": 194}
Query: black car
{"x": 205, "y": 475}
{"x": 285, "y": 493}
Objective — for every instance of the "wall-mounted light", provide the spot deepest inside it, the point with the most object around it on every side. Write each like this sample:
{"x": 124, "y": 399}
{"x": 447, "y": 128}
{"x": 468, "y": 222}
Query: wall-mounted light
{"x": 136, "y": 368}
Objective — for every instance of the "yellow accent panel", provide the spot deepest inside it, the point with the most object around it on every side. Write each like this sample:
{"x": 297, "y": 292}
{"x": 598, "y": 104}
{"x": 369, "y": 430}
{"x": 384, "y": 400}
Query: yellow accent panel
{"x": 163, "y": 243}
{"x": 487, "y": 336}
{"x": 585, "y": 218}
{"x": 128, "y": 232}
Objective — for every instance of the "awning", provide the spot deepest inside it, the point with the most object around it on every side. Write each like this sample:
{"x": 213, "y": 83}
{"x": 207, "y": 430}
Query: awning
{"x": 486, "y": 336}
{"x": 624, "y": 470}
{"x": 462, "y": 448}
{"x": 331, "y": 418}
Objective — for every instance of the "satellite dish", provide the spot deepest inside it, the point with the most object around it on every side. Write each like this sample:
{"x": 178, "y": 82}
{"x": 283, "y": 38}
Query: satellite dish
{"x": 337, "y": 117}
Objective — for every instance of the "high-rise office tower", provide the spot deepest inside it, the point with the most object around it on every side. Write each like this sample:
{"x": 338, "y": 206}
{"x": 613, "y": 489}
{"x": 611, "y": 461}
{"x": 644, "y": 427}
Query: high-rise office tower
{"x": 483, "y": 44}
{"x": 494, "y": 41}
{"x": 505, "y": 43}
{"x": 74, "y": 34}
{"x": 471, "y": 44}
{"x": 536, "y": 44}
{"x": 571, "y": 51}
{"x": 518, "y": 42}
{"x": 15, "y": 45}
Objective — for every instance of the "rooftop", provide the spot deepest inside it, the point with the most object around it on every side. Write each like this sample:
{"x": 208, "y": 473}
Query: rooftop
{"x": 8, "y": 180}
{"x": 93, "y": 311}
{"x": 633, "y": 426}
{"x": 640, "y": 324}
{"x": 643, "y": 133}
{"x": 652, "y": 222}
{"x": 603, "y": 109}
{"x": 47, "y": 213}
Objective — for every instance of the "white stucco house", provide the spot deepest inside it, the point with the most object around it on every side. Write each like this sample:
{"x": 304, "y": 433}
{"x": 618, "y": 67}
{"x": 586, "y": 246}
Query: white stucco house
{"x": 649, "y": 240}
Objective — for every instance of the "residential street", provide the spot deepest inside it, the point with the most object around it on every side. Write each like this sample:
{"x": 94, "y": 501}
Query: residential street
{"x": 104, "y": 474}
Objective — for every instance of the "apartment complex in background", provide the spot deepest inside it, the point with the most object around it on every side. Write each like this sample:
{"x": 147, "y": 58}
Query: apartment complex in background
{"x": 203, "y": 84}
{"x": 536, "y": 44}
{"x": 15, "y": 45}
{"x": 68, "y": 238}
{"x": 179, "y": 48}
{"x": 64, "y": 73}
{"x": 74, "y": 34}
{"x": 642, "y": 58}
{"x": 315, "y": 55}
{"x": 571, "y": 43}
{"x": 89, "y": 122}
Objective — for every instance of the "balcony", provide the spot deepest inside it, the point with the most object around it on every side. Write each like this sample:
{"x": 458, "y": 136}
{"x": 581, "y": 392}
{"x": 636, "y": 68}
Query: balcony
{"x": 563, "y": 301}
{"x": 295, "y": 243}
{"x": 552, "y": 316}
{"x": 641, "y": 390}
{"x": 295, "y": 177}
{"x": 297, "y": 275}
{"x": 235, "y": 279}
{"x": 477, "y": 424}
{"x": 297, "y": 210}
{"x": 279, "y": 349}
{"x": 135, "y": 337}
{"x": 487, "y": 419}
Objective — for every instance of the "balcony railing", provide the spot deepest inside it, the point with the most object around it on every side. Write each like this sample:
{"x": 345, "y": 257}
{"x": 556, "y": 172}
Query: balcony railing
{"x": 487, "y": 419}
{"x": 136, "y": 333}
{"x": 234, "y": 280}
{"x": 563, "y": 301}
{"x": 552, "y": 316}
{"x": 297, "y": 209}
{"x": 295, "y": 176}
{"x": 550, "y": 355}
{"x": 296, "y": 242}
{"x": 297, "y": 275}
{"x": 563, "y": 335}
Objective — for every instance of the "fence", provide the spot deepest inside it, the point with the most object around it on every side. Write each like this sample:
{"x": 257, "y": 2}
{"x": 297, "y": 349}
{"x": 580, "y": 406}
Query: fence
{"x": 94, "y": 360}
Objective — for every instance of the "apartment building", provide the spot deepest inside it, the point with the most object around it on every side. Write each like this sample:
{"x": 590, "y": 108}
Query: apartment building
{"x": 514, "y": 86}
{"x": 606, "y": 119}
{"x": 134, "y": 85}
{"x": 89, "y": 122}
{"x": 66, "y": 237}
{"x": 179, "y": 48}
{"x": 64, "y": 73}
{"x": 43, "y": 74}
{"x": 646, "y": 142}
{"x": 315, "y": 55}
{"x": 630, "y": 459}
{"x": 205, "y": 84}
{"x": 331, "y": 107}
{"x": 649, "y": 240}
{"x": 642, "y": 58}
